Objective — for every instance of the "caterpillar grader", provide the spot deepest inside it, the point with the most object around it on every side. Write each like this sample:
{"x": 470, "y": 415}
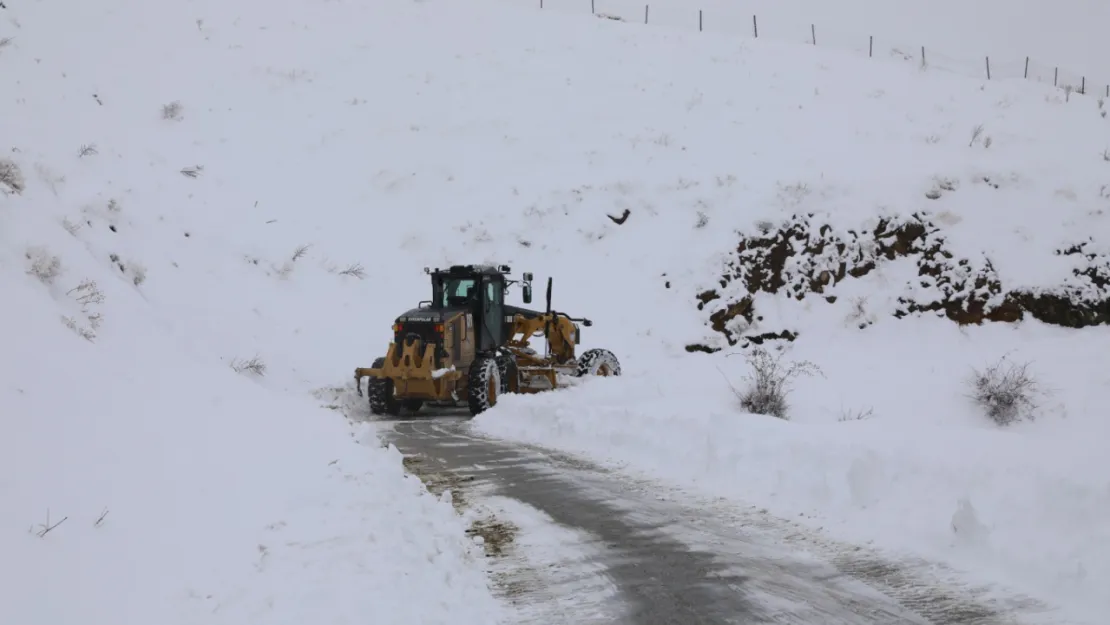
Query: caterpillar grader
{"x": 466, "y": 346}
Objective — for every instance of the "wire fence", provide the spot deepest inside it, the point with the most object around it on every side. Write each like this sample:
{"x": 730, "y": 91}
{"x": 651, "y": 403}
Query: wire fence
{"x": 987, "y": 67}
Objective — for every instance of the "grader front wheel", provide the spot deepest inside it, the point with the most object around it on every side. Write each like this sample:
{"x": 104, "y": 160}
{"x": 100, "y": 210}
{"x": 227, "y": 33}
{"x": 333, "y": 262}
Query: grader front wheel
{"x": 598, "y": 362}
{"x": 484, "y": 384}
{"x": 380, "y": 392}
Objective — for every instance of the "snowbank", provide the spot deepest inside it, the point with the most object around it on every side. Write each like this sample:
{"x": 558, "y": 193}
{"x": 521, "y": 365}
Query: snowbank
{"x": 176, "y": 491}
{"x": 923, "y": 473}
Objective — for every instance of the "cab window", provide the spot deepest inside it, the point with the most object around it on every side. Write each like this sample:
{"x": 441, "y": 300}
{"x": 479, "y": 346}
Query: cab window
{"x": 455, "y": 291}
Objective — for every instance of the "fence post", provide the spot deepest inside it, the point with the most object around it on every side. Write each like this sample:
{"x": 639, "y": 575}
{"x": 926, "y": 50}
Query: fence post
{"x": 1055, "y": 77}
{"x": 923, "y": 63}
{"x": 813, "y": 34}
{"x": 1083, "y": 85}
{"x": 699, "y": 20}
{"x": 1108, "y": 91}
{"x": 870, "y": 45}
{"x": 755, "y": 28}
{"x": 1026, "y": 67}
{"x": 592, "y": 11}
{"x": 541, "y": 4}
{"x": 645, "y": 13}
{"x": 988, "y": 68}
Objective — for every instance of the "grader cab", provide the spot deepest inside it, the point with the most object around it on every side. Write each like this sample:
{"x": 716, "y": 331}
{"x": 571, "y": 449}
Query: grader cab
{"x": 466, "y": 345}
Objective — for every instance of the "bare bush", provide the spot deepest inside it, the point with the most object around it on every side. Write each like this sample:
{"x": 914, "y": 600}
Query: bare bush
{"x": 89, "y": 334}
{"x": 355, "y": 270}
{"x": 192, "y": 172}
{"x": 44, "y": 266}
{"x": 976, "y": 132}
{"x": 172, "y": 111}
{"x": 769, "y": 382}
{"x": 11, "y": 178}
{"x": 1005, "y": 390}
{"x": 254, "y": 366}
{"x": 87, "y": 150}
{"x": 856, "y": 415}
{"x": 87, "y": 294}
{"x": 138, "y": 272}
{"x": 300, "y": 252}
{"x": 703, "y": 220}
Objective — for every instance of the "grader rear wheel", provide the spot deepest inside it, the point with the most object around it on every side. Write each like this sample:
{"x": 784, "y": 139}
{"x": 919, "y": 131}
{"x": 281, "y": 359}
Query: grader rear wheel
{"x": 484, "y": 384}
{"x": 598, "y": 362}
{"x": 510, "y": 372}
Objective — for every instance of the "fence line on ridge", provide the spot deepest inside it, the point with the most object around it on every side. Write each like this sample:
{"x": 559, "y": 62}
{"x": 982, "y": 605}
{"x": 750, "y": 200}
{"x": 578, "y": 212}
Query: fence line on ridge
{"x": 990, "y": 68}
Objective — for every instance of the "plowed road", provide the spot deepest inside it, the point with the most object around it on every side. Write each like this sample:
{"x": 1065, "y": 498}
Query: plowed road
{"x": 574, "y": 543}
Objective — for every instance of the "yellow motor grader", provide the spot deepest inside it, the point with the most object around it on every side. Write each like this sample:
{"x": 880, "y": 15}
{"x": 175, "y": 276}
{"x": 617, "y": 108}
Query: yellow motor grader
{"x": 466, "y": 345}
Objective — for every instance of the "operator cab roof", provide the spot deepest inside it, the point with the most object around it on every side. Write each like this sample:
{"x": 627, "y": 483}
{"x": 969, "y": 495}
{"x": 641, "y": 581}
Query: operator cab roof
{"x": 470, "y": 270}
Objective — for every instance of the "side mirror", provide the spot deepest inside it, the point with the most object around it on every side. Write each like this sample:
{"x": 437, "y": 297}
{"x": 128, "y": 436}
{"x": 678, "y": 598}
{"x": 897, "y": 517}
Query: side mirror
{"x": 527, "y": 293}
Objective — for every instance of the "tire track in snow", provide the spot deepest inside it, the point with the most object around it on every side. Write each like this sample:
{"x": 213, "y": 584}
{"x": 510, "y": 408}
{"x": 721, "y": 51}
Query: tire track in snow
{"x": 596, "y": 547}
{"x": 549, "y": 573}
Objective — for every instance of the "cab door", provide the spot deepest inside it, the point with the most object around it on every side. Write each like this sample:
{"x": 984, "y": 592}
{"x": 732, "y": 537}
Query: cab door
{"x": 491, "y": 310}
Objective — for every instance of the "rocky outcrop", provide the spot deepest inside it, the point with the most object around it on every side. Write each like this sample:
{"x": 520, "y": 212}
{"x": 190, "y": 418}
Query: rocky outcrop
{"x": 804, "y": 259}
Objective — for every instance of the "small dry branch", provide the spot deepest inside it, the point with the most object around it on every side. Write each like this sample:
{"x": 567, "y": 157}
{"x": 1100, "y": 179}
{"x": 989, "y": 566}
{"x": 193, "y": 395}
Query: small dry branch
{"x": 192, "y": 172}
{"x": 254, "y": 365}
{"x": 356, "y": 270}
{"x": 976, "y": 132}
{"x": 47, "y": 527}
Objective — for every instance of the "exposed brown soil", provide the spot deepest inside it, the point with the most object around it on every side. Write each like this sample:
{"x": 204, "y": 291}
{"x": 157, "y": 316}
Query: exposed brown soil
{"x": 803, "y": 258}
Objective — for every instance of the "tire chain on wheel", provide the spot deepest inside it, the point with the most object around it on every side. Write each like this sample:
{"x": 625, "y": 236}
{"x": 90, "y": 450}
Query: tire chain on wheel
{"x": 588, "y": 360}
{"x": 380, "y": 393}
{"x": 477, "y": 387}
{"x": 507, "y": 368}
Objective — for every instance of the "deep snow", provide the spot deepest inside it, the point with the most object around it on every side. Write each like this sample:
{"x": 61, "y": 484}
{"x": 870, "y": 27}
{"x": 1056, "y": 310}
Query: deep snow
{"x": 390, "y": 137}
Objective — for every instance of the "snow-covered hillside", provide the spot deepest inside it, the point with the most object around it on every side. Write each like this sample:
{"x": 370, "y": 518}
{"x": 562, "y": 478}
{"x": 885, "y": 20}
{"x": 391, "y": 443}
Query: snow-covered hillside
{"x": 870, "y": 213}
{"x": 250, "y": 180}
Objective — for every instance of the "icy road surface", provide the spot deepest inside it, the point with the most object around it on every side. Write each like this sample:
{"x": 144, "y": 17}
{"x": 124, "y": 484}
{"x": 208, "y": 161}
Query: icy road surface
{"x": 658, "y": 556}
